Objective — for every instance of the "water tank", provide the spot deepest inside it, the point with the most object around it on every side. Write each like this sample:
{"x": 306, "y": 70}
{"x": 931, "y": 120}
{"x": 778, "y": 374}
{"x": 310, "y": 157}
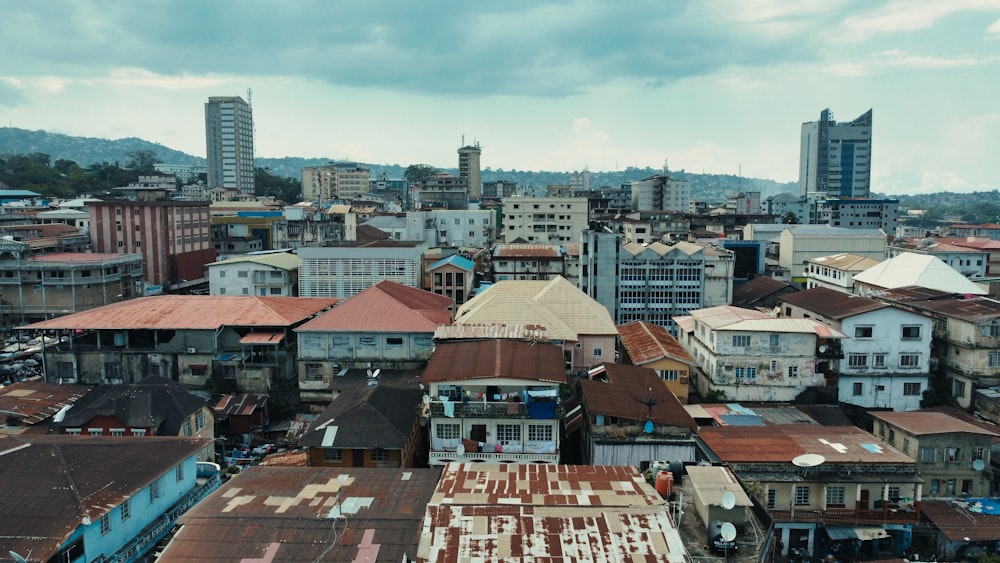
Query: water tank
{"x": 657, "y": 466}
{"x": 665, "y": 483}
{"x": 677, "y": 468}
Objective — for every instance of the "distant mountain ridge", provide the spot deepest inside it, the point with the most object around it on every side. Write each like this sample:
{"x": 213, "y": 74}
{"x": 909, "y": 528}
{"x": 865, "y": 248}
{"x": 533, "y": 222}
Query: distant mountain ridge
{"x": 90, "y": 150}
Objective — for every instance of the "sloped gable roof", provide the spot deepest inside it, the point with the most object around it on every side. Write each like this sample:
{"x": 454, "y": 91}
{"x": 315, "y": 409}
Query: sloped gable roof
{"x": 386, "y": 307}
{"x": 634, "y": 393}
{"x": 749, "y": 293}
{"x": 278, "y": 260}
{"x": 367, "y": 417}
{"x": 832, "y": 303}
{"x": 192, "y": 312}
{"x": 646, "y": 342}
{"x": 924, "y": 270}
{"x": 482, "y": 359}
{"x": 455, "y": 260}
{"x": 154, "y": 402}
{"x": 559, "y": 306}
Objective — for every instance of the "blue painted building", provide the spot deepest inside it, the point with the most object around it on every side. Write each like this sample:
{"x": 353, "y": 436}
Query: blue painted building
{"x": 77, "y": 499}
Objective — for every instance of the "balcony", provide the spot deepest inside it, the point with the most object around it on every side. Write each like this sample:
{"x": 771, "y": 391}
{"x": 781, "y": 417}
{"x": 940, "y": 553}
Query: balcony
{"x": 474, "y": 409}
{"x": 441, "y": 458}
{"x": 889, "y": 514}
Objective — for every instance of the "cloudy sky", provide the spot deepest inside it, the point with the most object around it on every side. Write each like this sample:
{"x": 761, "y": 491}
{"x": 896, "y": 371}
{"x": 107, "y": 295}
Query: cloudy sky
{"x": 718, "y": 86}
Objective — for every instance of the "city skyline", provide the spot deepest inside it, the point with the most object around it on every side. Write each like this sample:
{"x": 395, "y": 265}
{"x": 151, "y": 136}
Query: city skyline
{"x": 717, "y": 87}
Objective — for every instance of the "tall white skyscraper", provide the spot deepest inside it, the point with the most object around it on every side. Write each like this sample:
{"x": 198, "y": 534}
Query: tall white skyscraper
{"x": 229, "y": 142}
{"x": 836, "y": 158}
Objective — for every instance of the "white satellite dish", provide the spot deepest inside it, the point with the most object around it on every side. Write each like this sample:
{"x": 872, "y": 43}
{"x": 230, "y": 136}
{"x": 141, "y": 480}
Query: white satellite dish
{"x": 808, "y": 460}
{"x": 728, "y": 500}
{"x": 822, "y": 349}
{"x": 978, "y": 465}
{"x": 18, "y": 558}
{"x": 377, "y": 372}
{"x": 727, "y": 531}
{"x": 460, "y": 449}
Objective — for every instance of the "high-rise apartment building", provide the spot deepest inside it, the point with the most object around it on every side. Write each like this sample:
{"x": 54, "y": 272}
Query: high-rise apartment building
{"x": 337, "y": 180}
{"x": 468, "y": 168}
{"x": 229, "y": 143}
{"x": 660, "y": 193}
{"x": 835, "y": 158}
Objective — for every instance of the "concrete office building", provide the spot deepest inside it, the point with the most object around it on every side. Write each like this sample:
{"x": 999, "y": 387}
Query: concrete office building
{"x": 229, "y": 143}
{"x": 835, "y": 158}
{"x": 468, "y": 168}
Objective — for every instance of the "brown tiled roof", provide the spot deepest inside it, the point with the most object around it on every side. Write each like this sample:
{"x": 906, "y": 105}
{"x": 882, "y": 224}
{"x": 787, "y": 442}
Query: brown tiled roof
{"x": 646, "y": 342}
{"x": 920, "y": 423}
{"x": 32, "y": 402}
{"x": 308, "y": 514}
{"x": 634, "y": 393}
{"x": 387, "y": 307}
{"x": 192, "y": 312}
{"x": 49, "y": 484}
{"x": 782, "y": 443}
{"x": 832, "y": 303}
{"x": 463, "y": 360}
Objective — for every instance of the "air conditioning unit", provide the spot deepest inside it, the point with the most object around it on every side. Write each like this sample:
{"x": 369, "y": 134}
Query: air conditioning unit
{"x": 192, "y": 350}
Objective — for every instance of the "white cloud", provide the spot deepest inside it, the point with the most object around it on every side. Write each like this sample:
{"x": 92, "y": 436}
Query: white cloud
{"x": 906, "y": 16}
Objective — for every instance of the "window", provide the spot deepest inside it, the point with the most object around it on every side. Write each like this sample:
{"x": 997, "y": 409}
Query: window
{"x": 105, "y": 524}
{"x": 958, "y": 388}
{"x": 928, "y": 455}
{"x": 126, "y": 509}
{"x": 739, "y": 373}
{"x": 539, "y": 433}
{"x": 911, "y": 332}
{"x": 380, "y": 454}
{"x": 751, "y": 373}
{"x": 394, "y": 342}
{"x": 858, "y": 389}
{"x": 117, "y": 431}
{"x": 179, "y": 473}
{"x": 448, "y": 431}
{"x": 199, "y": 420}
{"x": 598, "y": 352}
{"x": 186, "y": 428}
{"x": 994, "y": 359}
{"x": 95, "y": 431}
{"x": 801, "y": 495}
{"x": 775, "y": 340}
{"x": 906, "y": 445}
{"x": 857, "y": 360}
{"x": 154, "y": 491}
{"x": 911, "y": 388}
{"x": 242, "y": 274}
{"x": 772, "y": 499}
{"x": 878, "y": 360}
{"x": 507, "y": 433}
{"x": 774, "y": 365}
{"x": 909, "y": 360}
{"x": 894, "y": 495}
{"x": 138, "y": 431}
{"x": 793, "y": 371}
{"x": 863, "y": 331}
{"x": 741, "y": 340}
{"x": 314, "y": 372}
{"x": 669, "y": 374}
{"x": 935, "y": 486}
{"x": 979, "y": 453}
{"x": 953, "y": 454}
{"x": 835, "y": 495}
{"x": 950, "y": 490}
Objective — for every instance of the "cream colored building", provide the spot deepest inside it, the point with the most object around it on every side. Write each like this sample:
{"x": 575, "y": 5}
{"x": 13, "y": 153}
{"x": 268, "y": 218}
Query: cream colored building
{"x": 337, "y": 180}
{"x": 545, "y": 219}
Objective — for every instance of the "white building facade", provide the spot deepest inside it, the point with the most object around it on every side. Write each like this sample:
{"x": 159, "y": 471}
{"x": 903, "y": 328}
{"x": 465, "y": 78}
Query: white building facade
{"x": 550, "y": 220}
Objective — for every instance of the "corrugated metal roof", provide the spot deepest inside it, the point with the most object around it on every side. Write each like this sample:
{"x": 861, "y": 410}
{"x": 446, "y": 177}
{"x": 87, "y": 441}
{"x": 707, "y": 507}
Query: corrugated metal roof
{"x": 727, "y": 317}
{"x": 307, "y": 514}
{"x": 239, "y": 404}
{"x": 922, "y": 422}
{"x": 31, "y": 402}
{"x": 749, "y": 293}
{"x": 193, "y": 312}
{"x": 478, "y": 359}
{"x": 909, "y": 268}
{"x": 646, "y": 342}
{"x": 49, "y": 484}
{"x": 455, "y": 260}
{"x": 556, "y": 304}
{"x": 958, "y": 523}
{"x": 845, "y": 261}
{"x": 527, "y": 250}
{"x": 633, "y": 393}
{"x": 367, "y": 417}
{"x": 782, "y": 443}
{"x": 77, "y": 257}
{"x": 491, "y": 331}
{"x": 263, "y": 338}
{"x": 387, "y": 307}
{"x": 527, "y": 512}
{"x": 279, "y": 260}
{"x": 832, "y": 303}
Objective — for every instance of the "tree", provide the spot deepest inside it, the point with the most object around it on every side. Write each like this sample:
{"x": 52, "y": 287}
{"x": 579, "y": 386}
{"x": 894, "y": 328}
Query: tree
{"x": 143, "y": 161}
{"x": 288, "y": 190}
{"x": 417, "y": 173}
{"x": 790, "y": 219}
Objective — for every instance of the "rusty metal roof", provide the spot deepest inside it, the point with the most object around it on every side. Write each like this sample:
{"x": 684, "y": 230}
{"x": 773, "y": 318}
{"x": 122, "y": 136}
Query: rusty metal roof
{"x": 527, "y": 250}
{"x": 239, "y": 404}
{"x": 920, "y": 423}
{"x": 749, "y": 293}
{"x": 272, "y": 513}
{"x": 782, "y": 443}
{"x": 959, "y": 524}
{"x": 497, "y": 330}
{"x": 386, "y": 307}
{"x": 481, "y": 359}
{"x": 50, "y": 483}
{"x": 191, "y": 312}
{"x": 529, "y": 512}
{"x": 646, "y": 342}
{"x": 80, "y": 257}
{"x": 633, "y": 393}
{"x": 727, "y": 317}
{"x": 263, "y": 338}
{"x": 832, "y": 303}
{"x": 32, "y": 402}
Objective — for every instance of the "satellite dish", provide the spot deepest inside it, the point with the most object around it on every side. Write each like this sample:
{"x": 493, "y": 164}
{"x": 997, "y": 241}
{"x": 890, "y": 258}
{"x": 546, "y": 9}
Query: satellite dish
{"x": 822, "y": 349}
{"x": 460, "y": 449}
{"x": 648, "y": 427}
{"x": 728, "y": 500}
{"x": 377, "y": 372}
{"x": 728, "y": 531}
{"x": 978, "y": 465}
{"x": 18, "y": 558}
{"x": 808, "y": 460}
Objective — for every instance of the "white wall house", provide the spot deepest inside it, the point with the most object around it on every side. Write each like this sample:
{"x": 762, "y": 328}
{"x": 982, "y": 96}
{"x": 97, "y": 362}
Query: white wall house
{"x": 545, "y": 219}
{"x": 885, "y": 360}
{"x": 747, "y": 355}
{"x": 272, "y": 274}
